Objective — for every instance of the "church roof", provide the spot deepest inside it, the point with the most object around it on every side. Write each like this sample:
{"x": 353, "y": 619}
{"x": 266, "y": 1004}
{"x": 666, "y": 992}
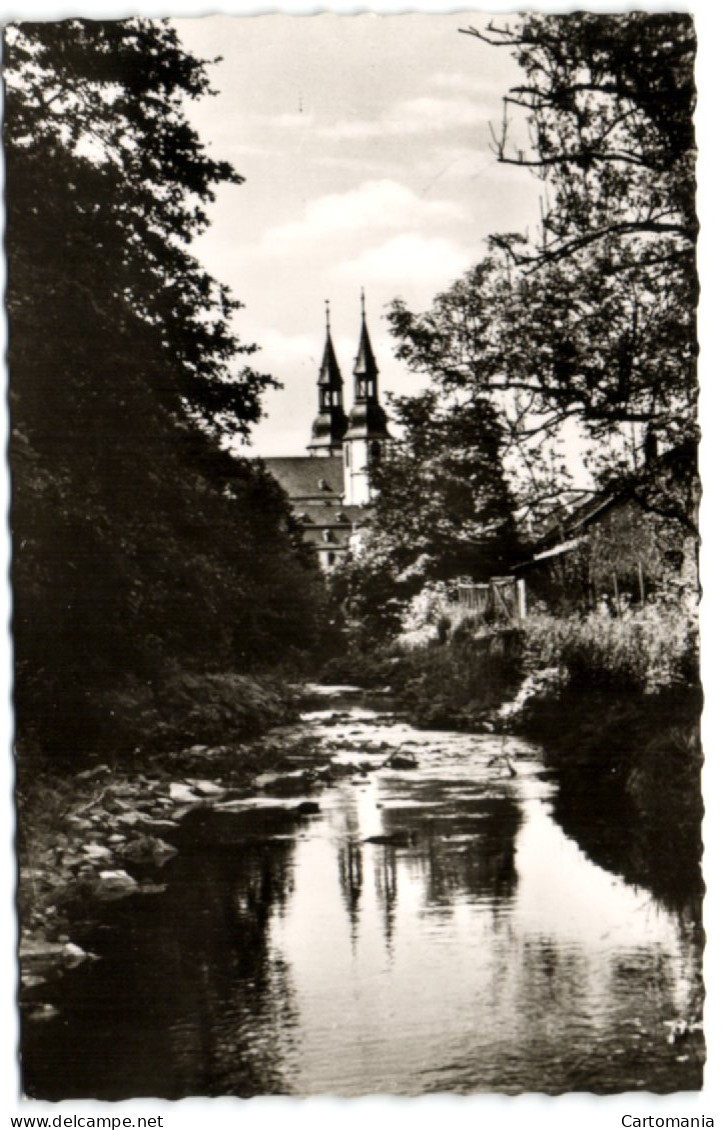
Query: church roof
{"x": 305, "y": 477}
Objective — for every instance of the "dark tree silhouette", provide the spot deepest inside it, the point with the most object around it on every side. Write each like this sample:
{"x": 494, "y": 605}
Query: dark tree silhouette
{"x": 139, "y": 545}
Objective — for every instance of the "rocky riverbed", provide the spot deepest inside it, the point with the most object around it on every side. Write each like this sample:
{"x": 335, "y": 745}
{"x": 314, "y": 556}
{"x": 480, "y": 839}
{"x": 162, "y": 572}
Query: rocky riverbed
{"x": 108, "y": 832}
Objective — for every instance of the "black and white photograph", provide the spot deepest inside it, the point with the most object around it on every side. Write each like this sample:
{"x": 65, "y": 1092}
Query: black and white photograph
{"x": 354, "y": 401}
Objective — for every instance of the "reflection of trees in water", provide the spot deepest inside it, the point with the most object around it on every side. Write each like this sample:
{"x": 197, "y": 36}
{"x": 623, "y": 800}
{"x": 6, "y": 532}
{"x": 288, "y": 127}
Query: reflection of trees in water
{"x": 660, "y": 856}
{"x": 386, "y": 889}
{"x": 188, "y": 999}
{"x": 647, "y": 853}
{"x": 350, "y": 871}
{"x": 464, "y": 850}
{"x": 350, "y": 866}
{"x": 552, "y": 980}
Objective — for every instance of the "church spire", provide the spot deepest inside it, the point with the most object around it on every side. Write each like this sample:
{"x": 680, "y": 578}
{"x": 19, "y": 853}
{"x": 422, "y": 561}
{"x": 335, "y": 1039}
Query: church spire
{"x": 330, "y": 376}
{"x": 330, "y": 423}
{"x": 367, "y": 430}
{"x": 365, "y": 369}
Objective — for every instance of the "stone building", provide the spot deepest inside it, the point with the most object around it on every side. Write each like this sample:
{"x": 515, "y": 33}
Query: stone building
{"x": 330, "y": 486}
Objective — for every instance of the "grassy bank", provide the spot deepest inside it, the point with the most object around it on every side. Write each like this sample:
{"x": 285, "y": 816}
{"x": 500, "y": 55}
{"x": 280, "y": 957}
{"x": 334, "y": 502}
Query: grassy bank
{"x": 175, "y": 709}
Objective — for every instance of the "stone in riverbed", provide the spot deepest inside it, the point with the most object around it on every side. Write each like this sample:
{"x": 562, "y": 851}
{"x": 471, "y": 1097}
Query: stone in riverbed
{"x": 92, "y": 774}
{"x": 130, "y": 819}
{"x": 182, "y": 794}
{"x": 114, "y": 884}
{"x": 97, "y": 852}
{"x": 159, "y": 825}
{"x": 402, "y": 761}
{"x": 290, "y": 784}
{"x": 394, "y": 839}
{"x": 42, "y": 1012}
{"x": 75, "y": 955}
{"x": 149, "y": 849}
{"x": 308, "y": 808}
{"x": 152, "y": 888}
{"x": 206, "y": 788}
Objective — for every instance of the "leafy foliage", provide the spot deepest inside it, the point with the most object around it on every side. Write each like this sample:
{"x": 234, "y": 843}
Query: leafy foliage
{"x": 592, "y": 323}
{"x": 441, "y": 509}
{"x": 440, "y": 492}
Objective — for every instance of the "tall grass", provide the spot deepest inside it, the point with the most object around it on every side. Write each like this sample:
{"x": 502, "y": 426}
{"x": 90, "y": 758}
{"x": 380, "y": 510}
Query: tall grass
{"x": 643, "y": 650}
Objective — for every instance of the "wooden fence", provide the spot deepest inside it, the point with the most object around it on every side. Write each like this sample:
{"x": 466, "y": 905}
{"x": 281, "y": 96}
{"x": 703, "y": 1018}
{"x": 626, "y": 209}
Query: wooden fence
{"x": 501, "y": 599}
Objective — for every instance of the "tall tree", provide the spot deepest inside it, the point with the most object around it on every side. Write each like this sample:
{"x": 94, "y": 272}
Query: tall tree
{"x": 610, "y": 283}
{"x": 441, "y": 502}
{"x": 138, "y": 543}
{"x": 590, "y": 325}
{"x": 441, "y": 510}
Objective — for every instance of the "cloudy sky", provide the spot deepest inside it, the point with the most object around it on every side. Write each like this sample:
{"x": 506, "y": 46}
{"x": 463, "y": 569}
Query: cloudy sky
{"x": 365, "y": 146}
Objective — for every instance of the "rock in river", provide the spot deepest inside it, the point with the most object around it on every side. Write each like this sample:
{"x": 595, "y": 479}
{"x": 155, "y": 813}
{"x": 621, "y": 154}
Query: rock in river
{"x": 401, "y": 761}
{"x": 114, "y": 884}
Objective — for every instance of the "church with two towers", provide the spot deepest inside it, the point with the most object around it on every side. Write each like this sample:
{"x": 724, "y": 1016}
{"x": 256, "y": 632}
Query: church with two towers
{"x": 330, "y": 486}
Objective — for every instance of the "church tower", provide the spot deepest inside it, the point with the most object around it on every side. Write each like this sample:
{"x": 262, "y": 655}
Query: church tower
{"x": 367, "y": 429}
{"x": 330, "y": 422}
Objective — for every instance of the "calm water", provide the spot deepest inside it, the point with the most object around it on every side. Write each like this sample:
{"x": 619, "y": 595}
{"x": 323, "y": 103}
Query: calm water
{"x": 481, "y": 951}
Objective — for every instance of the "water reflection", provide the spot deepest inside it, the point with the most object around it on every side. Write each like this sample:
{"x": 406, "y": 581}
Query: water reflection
{"x": 188, "y": 997}
{"x": 350, "y": 866}
{"x": 429, "y": 931}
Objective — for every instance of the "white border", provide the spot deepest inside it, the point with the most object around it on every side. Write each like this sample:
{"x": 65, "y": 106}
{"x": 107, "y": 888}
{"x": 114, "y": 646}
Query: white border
{"x": 494, "y": 1111}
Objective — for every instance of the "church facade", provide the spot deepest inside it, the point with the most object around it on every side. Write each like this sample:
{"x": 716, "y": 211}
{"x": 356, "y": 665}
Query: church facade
{"x": 330, "y": 486}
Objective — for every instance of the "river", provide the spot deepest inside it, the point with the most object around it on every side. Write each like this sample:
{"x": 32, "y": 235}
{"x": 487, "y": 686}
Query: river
{"x": 430, "y": 929}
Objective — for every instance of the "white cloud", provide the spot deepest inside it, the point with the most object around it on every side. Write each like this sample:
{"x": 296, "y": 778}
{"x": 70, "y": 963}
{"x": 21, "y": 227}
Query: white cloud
{"x": 412, "y": 116}
{"x": 485, "y": 87}
{"x": 429, "y": 260}
{"x": 374, "y": 205}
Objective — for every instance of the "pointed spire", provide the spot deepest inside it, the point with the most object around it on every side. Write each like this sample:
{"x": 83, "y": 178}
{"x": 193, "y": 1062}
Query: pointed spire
{"x": 365, "y": 363}
{"x": 330, "y": 423}
{"x": 330, "y": 375}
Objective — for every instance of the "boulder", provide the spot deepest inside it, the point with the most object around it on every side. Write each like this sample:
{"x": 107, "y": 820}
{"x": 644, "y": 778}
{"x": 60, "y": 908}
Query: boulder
{"x": 114, "y": 884}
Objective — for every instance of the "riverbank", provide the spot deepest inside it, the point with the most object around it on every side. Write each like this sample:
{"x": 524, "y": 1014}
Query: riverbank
{"x": 614, "y": 703}
{"x": 108, "y": 830}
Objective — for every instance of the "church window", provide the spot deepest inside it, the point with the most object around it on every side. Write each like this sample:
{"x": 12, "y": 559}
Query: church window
{"x": 331, "y": 559}
{"x": 375, "y": 452}
{"x": 347, "y": 456}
